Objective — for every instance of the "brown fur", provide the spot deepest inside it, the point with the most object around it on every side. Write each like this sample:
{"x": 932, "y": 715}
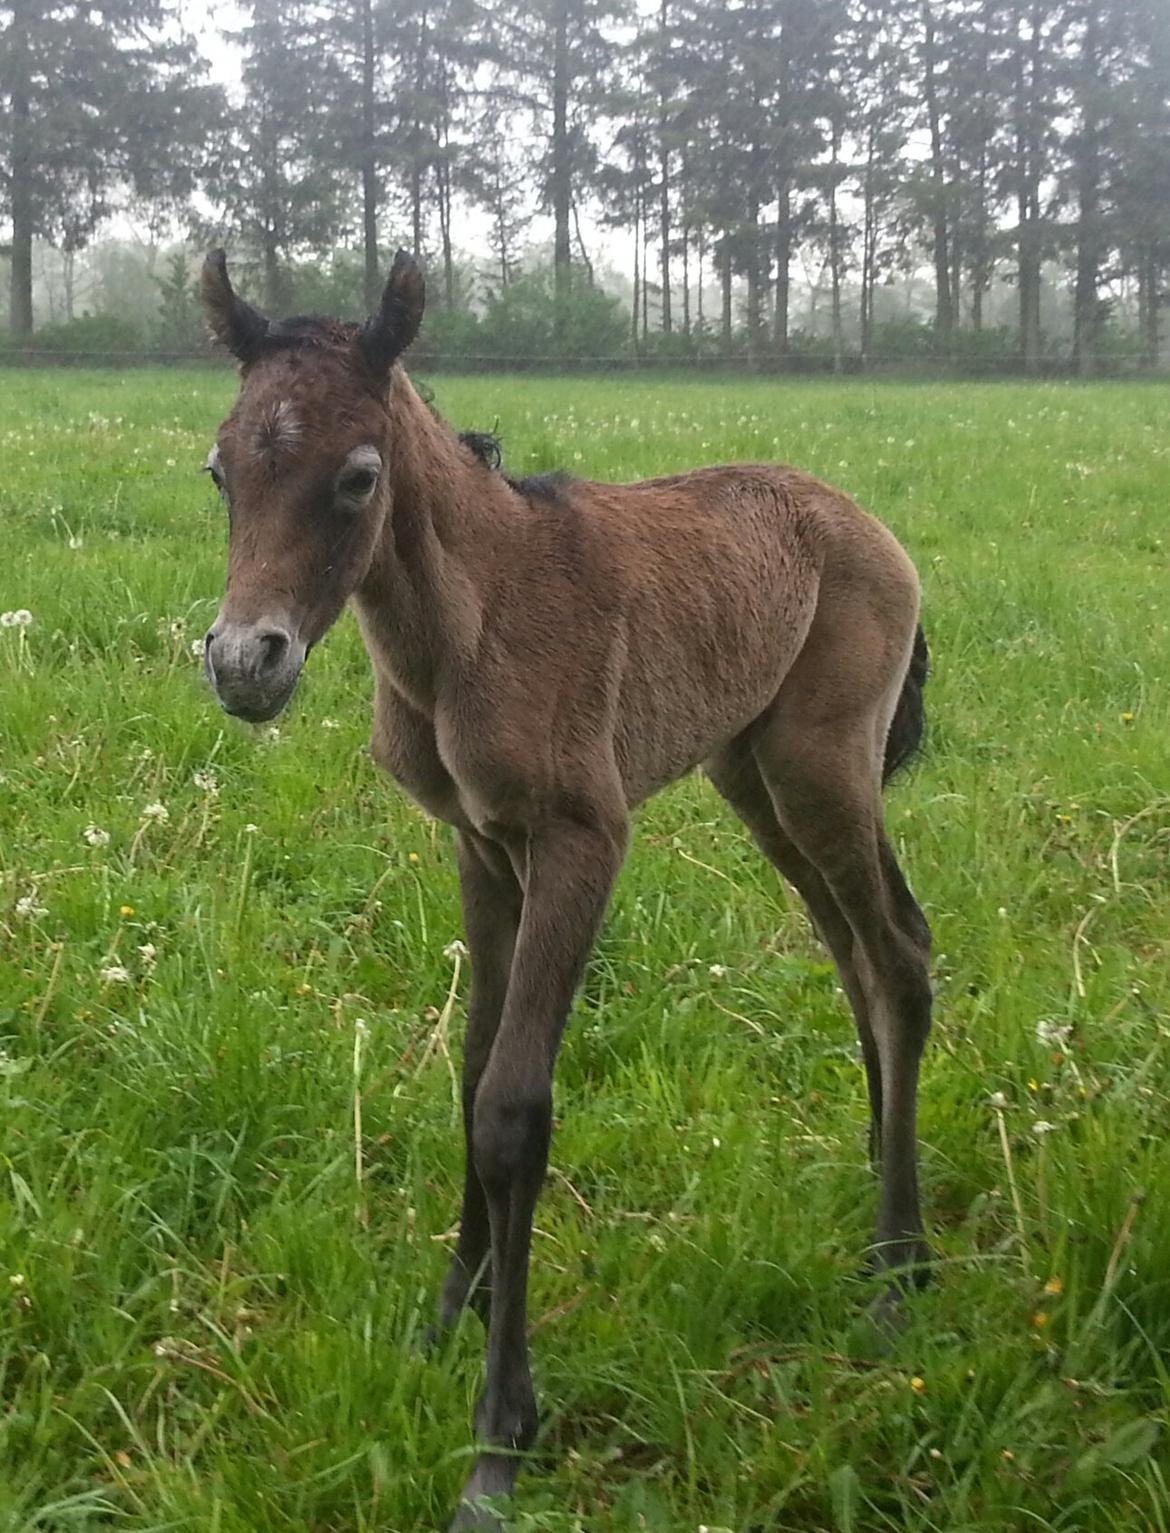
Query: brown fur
{"x": 544, "y": 661}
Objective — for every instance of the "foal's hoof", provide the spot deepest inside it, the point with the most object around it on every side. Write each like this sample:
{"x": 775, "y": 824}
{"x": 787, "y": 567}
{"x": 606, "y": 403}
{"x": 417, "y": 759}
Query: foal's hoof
{"x": 494, "y": 1477}
{"x": 472, "y": 1519}
{"x": 887, "y": 1315}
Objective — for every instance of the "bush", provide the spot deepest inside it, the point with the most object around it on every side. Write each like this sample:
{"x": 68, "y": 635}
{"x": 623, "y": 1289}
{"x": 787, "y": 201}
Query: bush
{"x": 448, "y": 333}
{"x": 105, "y": 334}
{"x": 521, "y": 321}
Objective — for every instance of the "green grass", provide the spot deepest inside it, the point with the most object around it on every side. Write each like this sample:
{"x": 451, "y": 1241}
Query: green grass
{"x": 209, "y": 1326}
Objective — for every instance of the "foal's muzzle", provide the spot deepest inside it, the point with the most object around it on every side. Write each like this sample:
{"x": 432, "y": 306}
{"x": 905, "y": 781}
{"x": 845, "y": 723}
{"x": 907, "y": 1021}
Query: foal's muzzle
{"x": 254, "y": 667}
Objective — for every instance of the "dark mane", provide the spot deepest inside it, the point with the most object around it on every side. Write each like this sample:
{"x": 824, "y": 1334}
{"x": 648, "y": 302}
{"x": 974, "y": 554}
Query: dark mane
{"x": 484, "y": 446}
{"x": 551, "y": 487}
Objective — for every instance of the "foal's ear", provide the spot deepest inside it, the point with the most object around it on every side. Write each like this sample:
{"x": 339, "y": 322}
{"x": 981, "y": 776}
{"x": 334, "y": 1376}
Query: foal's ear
{"x": 386, "y": 335}
{"x": 234, "y": 323}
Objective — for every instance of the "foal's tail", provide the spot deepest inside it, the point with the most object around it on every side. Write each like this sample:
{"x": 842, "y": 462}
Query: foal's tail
{"x": 909, "y": 722}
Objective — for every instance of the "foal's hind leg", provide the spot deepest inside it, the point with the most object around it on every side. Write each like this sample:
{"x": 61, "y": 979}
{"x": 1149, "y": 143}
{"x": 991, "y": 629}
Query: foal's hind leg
{"x": 737, "y": 777}
{"x": 824, "y": 777}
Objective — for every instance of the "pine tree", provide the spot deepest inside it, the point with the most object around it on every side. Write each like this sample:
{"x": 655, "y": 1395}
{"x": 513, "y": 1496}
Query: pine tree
{"x": 85, "y": 95}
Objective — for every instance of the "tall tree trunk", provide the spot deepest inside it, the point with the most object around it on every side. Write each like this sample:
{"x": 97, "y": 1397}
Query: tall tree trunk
{"x": 1085, "y": 297}
{"x": 835, "y": 261}
{"x": 702, "y": 251}
{"x": 582, "y": 250}
{"x": 369, "y": 160}
{"x": 637, "y": 265}
{"x": 755, "y": 316}
{"x": 868, "y": 246}
{"x": 645, "y": 273}
{"x": 20, "y": 183}
{"x": 273, "y": 284}
{"x": 980, "y": 265}
{"x": 783, "y": 262}
{"x": 686, "y": 279}
{"x": 416, "y": 210}
{"x": 418, "y": 138}
{"x": 1148, "y": 296}
{"x": 944, "y": 312}
{"x": 1027, "y": 89}
{"x": 444, "y": 190}
{"x": 562, "y": 189}
{"x": 725, "y": 283}
{"x": 664, "y": 176}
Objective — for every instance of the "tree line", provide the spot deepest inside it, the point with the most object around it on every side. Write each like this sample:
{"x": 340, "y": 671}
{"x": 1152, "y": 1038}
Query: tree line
{"x": 1011, "y": 148}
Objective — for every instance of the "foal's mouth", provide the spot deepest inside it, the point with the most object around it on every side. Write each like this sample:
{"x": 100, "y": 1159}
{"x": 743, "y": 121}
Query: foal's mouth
{"x": 257, "y": 711}
{"x": 255, "y": 672}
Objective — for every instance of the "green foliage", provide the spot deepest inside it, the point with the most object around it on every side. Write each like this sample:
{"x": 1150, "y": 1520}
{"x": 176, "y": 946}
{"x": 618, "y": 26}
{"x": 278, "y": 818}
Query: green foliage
{"x": 527, "y": 320}
{"x": 210, "y": 1325}
{"x": 180, "y": 326}
{"x": 91, "y": 335}
{"x": 329, "y": 287}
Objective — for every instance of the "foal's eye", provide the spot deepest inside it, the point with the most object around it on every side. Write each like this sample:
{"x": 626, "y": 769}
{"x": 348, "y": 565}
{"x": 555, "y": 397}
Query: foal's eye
{"x": 358, "y": 482}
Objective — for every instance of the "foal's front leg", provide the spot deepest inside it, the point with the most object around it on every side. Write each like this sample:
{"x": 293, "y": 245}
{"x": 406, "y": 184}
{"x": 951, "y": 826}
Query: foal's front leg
{"x": 492, "y": 901}
{"x": 570, "y": 873}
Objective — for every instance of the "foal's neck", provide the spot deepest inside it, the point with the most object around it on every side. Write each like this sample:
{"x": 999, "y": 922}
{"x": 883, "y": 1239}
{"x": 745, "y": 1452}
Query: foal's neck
{"x": 420, "y": 606}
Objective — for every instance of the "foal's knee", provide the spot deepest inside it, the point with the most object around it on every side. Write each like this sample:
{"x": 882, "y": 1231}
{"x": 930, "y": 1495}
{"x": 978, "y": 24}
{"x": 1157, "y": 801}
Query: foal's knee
{"x": 510, "y": 1133}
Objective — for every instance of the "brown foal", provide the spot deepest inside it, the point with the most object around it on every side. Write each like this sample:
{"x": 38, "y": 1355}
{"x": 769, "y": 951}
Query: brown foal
{"x": 547, "y": 653}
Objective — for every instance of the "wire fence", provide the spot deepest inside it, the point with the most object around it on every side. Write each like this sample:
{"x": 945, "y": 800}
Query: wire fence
{"x": 796, "y": 363}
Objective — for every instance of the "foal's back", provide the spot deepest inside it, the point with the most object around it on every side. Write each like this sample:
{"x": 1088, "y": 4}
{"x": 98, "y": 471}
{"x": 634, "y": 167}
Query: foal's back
{"x": 662, "y": 617}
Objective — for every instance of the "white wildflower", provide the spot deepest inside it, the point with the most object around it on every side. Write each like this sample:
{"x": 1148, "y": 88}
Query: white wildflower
{"x": 114, "y": 974}
{"x": 28, "y": 909}
{"x": 998, "y": 1100}
{"x": 157, "y": 812}
{"x": 75, "y": 542}
{"x": 149, "y": 953}
{"x": 330, "y": 724}
{"x": 95, "y": 836}
{"x": 1053, "y": 1035}
{"x": 1042, "y": 1127}
{"x": 197, "y": 648}
{"x": 272, "y": 734}
{"x": 250, "y": 829}
{"x": 206, "y": 782}
{"x": 717, "y": 970}
{"x": 455, "y": 949}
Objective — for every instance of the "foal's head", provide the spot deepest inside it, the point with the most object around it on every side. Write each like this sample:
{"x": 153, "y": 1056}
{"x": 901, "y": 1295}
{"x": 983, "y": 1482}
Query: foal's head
{"x": 300, "y": 464}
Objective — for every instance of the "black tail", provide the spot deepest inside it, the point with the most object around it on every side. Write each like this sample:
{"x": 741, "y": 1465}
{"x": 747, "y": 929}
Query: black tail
{"x": 909, "y": 723}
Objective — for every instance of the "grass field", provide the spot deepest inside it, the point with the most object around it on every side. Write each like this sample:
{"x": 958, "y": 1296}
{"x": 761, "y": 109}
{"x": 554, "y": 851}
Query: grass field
{"x": 211, "y": 1323}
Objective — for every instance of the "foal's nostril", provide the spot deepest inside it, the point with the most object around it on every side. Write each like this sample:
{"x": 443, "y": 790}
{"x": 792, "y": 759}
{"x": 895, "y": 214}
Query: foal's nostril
{"x": 273, "y": 648}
